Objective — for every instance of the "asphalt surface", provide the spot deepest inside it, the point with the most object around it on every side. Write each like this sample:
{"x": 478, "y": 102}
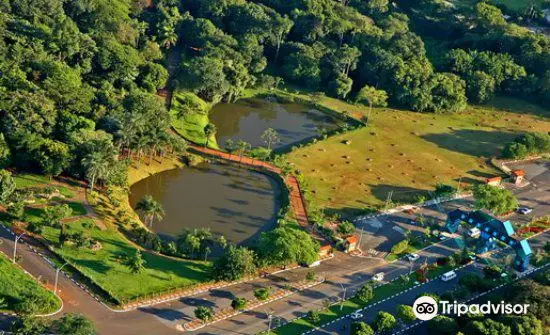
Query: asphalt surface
{"x": 437, "y": 286}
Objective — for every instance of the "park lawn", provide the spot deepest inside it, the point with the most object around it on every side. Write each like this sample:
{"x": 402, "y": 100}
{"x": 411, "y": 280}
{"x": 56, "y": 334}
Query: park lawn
{"x": 191, "y": 126}
{"x": 300, "y": 326}
{"x": 15, "y": 285}
{"x": 408, "y": 153}
{"x": 26, "y": 180}
{"x": 106, "y": 266}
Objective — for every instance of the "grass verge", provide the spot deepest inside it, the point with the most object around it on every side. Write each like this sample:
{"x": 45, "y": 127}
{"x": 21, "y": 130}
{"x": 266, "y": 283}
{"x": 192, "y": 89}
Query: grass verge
{"x": 16, "y": 286}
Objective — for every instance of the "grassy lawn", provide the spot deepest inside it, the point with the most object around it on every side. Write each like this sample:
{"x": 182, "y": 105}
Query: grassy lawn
{"x": 15, "y": 285}
{"x": 409, "y": 153}
{"x": 106, "y": 266}
{"x": 299, "y": 326}
{"x": 191, "y": 126}
{"x": 25, "y": 180}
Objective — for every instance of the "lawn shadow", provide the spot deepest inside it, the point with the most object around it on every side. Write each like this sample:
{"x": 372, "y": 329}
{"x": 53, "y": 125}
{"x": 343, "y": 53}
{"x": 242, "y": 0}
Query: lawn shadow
{"x": 473, "y": 142}
{"x": 398, "y": 193}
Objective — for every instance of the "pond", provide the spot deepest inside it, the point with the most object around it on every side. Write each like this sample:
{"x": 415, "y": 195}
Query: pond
{"x": 232, "y": 201}
{"x": 247, "y": 119}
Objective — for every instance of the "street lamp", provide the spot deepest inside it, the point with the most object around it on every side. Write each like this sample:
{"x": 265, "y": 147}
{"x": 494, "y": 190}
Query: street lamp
{"x": 57, "y": 276}
{"x": 17, "y": 237}
{"x": 343, "y": 296}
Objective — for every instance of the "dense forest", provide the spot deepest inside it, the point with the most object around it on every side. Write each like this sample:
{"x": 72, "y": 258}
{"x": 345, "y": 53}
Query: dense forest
{"x": 78, "y": 79}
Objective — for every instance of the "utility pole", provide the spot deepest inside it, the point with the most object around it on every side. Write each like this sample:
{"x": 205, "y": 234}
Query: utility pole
{"x": 361, "y": 235}
{"x": 343, "y": 296}
{"x": 57, "y": 276}
{"x": 458, "y": 187}
{"x": 17, "y": 237}
{"x": 388, "y": 200}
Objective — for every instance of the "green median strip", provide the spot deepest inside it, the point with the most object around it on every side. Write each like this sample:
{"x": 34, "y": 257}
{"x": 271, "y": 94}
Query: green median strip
{"x": 333, "y": 312}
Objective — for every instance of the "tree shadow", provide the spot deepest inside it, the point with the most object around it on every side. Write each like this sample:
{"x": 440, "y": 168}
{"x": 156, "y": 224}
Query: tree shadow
{"x": 398, "y": 193}
{"x": 473, "y": 142}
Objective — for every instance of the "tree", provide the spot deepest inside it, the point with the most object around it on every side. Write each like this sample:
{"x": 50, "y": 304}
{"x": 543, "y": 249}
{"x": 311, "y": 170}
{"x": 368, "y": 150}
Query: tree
{"x": 405, "y": 313}
{"x": 151, "y": 209}
{"x": 372, "y": 96}
{"x": 96, "y": 166}
{"x": 523, "y": 324}
{"x": 494, "y": 199}
{"x": 270, "y": 137}
{"x": 7, "y": 185}
{"x": 53, "y": 156}
{"x": 204, "y": 313}
{"x": 346, "y": 228}
{"x": 287, "y": 244}
{"x": 314, "y": 316}
{"x": 384, "y": 321}
{"x": 400, "y": 247}
{"x": 487, "y": 327}
{"x": 365, "y": 293}
{"x": 236, "y": 263}
{"x": 442, "y": 325}
{"x": 54, "y": 214}
{"x": 361, "y": 328}
{"x": 5, "y": 152}
{"x": 242, "y": 148}
{"x": 340, "y": 86}
{"x": 136, "y": 263}
{"x": 74, "y": 324}
{"x": 209, "y": 130}
{"x": 29, "y": 325}
{"x": 444, "y": 190}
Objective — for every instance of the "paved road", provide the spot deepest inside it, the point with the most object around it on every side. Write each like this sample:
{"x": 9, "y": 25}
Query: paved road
{"x": 435, "y": 286}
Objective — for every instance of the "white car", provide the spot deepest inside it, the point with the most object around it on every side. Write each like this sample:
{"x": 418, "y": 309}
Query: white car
{"x": 356, "y": 316}
{"x": 378, "y": 277}
{"x": 412, "y": 257}
{"x": 448, "y": 276}
{"x": 525, "y": 210}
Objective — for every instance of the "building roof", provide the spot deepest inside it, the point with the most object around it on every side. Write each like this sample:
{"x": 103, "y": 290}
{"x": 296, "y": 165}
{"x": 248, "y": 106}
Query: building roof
{"x": 494, "y": 179}
{"x": 524, "y": 249}
{"x": 325, "y": 247}
{"x": 352, "y": 239}
{"x": 518, "y": 173}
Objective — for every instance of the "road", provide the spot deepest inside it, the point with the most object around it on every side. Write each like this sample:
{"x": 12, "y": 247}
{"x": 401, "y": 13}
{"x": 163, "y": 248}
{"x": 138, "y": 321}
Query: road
{"x": 341, "y": 270}
{"x": 435, "y": 286}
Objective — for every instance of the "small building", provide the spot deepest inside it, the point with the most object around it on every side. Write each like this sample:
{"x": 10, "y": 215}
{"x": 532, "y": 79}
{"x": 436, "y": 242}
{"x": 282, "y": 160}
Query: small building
{"x": 351, "y": 243}
{"x": 325, "y": 251}
{"x": 518, "y": 176}
{"x": 494, "y": 181}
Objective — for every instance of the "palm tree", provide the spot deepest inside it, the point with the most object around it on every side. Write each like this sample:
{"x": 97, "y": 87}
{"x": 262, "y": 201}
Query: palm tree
{"x": 169, "y": 37}
{"x": 209, "y": 130}
{"x": 151, "y": 209}
{"x": 96, "y": 166}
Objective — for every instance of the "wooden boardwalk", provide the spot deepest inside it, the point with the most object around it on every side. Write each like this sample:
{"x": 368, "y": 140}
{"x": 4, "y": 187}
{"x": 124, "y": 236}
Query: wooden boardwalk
{"x": 297, "y": 202}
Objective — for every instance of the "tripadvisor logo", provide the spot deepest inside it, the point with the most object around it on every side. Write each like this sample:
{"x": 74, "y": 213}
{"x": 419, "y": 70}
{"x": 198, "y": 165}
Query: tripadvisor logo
{"x": 426, "y": 308}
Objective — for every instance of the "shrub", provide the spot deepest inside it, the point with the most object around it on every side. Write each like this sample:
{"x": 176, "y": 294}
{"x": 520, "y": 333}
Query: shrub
{"x": 204, "y": 313}
{"x": 400, "y": 247}
{"x": 442, "y": 325}
{"x": 262, "y": 293}
{"x": 239, "y": 304}
{"x": 346, "y": 228}
{"x": 310, "y": 276}
{"x": 314, "y": 316}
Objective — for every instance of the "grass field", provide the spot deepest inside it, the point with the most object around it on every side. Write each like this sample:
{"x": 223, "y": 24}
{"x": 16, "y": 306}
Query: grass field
{"x": 408, "y": 153}
{"x": 107, "y": 269}
{"x": 16, "y": 285}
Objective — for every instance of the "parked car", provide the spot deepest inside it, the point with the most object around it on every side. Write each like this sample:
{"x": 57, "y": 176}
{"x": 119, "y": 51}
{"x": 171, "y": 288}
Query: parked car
{"x": 474, "y": 232}
{"x": 525, "y": 210}
{"x": 412, "y": 257}
{"x": 356, "y": 316}
{"x": 378, "y": 277}
{"x": 448, "y": 276}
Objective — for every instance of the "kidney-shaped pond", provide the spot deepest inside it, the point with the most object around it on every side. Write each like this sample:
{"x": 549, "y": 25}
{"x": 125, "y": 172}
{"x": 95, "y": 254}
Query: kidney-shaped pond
{"x": 230, "y": 200}
{"x": 247, "y": 119}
